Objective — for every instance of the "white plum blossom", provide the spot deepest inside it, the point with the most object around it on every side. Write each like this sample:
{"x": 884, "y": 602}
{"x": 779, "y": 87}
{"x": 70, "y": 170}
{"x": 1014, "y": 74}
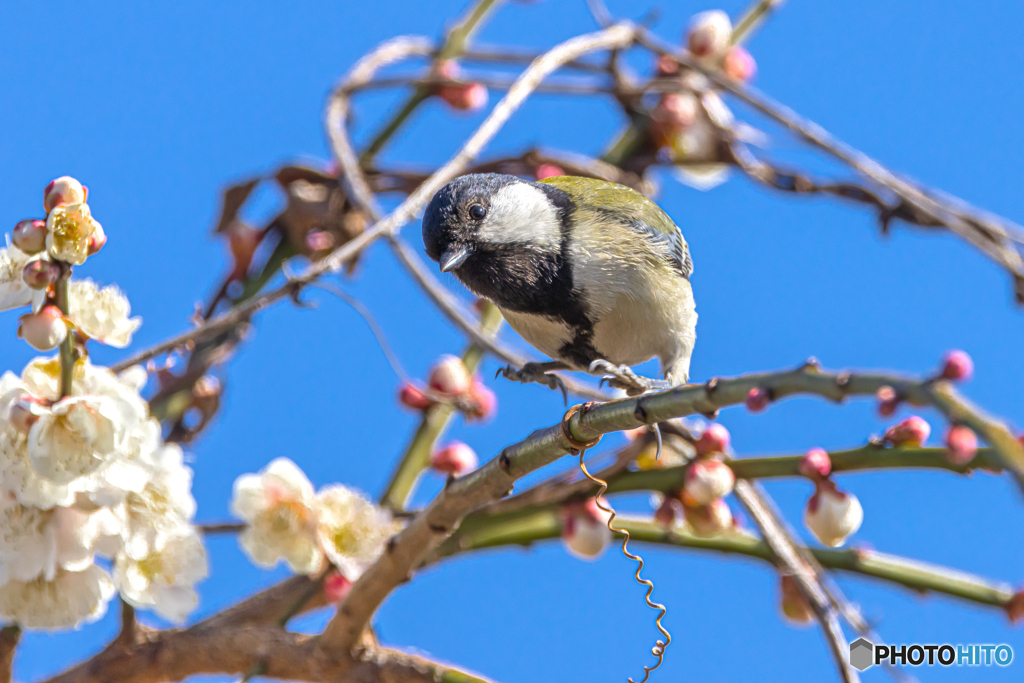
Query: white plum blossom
{"x": 14, "y": 292}
{"x": 351, "y": 530}
{"x": 162, "y": 576}
{"x": 164, "y": 504}
{"x": 35, "y": 542}
{"x": 101, "y": 314}
{"x": 277, "y": 505}
{"x": 74, "y": 437}
{"x": 67, "y": 600}
{"x": 69, "y": 231}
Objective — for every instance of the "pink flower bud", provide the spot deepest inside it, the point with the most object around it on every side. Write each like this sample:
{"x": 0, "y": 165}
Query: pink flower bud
{"x": 44, "y": 330}
{"x": 29, "y": 235}
{"x": 548, "y": 171}
{"x": 411, "y": 397}
{"x": 707, "y": 481}
{"x": 957, "y": 365}
{"x": 961, "y": 445}
{"x": 794, "y": 605}
{"x": 715, "y": 439}
{"x": 97, "y": 240}
{"x": 708, "y": 520}
{"x": 888, "y": 401}
{"x": 585, "y": 532}
{"x": 466, "y": 97}
{"x": 62, "y": 191}
{"x": 24, "y": 412}
{"x": 450, "y": 376}
{"x": 666, "y": 66}
{"x": 484, "y": 402}
{"x": 667, "y": 511}
{"x": 319, "y": 240}
{"x": 40, "y": 274}
{"x": 674, "y": 113}
{"x": 336, "y": 586}
{"x": 912, "y": 431}
{"x": 456, "y": 458}
{"x": 833, "y": 515}
{"x": 816, "y": 464}
{"x": 242, "y": 241}
{"x": 739, "y": 65}
{"x": 758, "y": 399}
{"x": 708, "y": 33}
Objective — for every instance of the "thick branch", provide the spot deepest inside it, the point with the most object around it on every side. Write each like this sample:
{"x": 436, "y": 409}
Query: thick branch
{"x": 544, "y": 446}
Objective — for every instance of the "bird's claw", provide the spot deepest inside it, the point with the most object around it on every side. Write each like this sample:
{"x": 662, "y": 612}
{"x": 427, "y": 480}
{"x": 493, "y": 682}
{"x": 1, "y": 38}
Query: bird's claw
{"x": 623, "y": 377}
{"x": 536, "y": 374}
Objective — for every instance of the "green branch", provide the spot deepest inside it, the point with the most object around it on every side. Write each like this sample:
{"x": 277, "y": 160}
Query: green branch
{"x": 434, "y": 423}
{"x": 530, "y": 526}
{"x": 67, "y": 347}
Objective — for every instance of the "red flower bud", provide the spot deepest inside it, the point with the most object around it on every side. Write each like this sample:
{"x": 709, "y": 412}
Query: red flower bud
{"x": 336, "y": 586}
{"x": 961, "y": 445}
{"x": 674, "y": 113}
{"x": 758, "y": 399}
{"x": 816, "y": 464}
{"x": 484, "y": 402}
{"x": 913, "y": 431}
{"x": 319, "y": 240}
{"x": 456, "y": 458}
{"x": 715, "y": 439}
{"x": 1015, "y": 607}
{"x": 666, "y": 66}
{"x": 957, "y": 365}
{"x": 411, "y": 397}
{"x": 667, "y": 511}
{"x": 450, "y": 376}
{"x": 97, "y": 240}
{"x": 29, "y": 235}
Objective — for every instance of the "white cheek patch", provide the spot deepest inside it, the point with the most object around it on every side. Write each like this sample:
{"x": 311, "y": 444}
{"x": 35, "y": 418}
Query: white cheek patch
{"x": 521, "y": 213}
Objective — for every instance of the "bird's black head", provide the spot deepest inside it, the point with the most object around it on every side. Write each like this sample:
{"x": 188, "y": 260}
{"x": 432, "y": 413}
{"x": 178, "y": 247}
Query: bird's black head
{"x": 479, "y": 212}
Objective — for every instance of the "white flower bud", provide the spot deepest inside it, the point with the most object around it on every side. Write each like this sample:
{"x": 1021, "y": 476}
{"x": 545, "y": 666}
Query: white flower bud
{"x": 706, "y": 481}
{"x": 44, "y": 330}
{"x": 833, "y": 515}
{"x": 708, "y": 33}
{"x": 585, "y": 531}
{"x": 709, "y": 520}
{"x": 62, "y": 191}
{"x": 450, "y": 376}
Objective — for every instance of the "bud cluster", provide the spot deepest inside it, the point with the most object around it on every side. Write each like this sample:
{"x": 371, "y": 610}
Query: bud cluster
{"x": 451, "y": 381}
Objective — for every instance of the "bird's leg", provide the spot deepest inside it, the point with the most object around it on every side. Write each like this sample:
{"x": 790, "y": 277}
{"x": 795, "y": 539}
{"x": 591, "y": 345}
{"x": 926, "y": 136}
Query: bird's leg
{"x": 538, "y": 373}
{"x": 623, "y": 377}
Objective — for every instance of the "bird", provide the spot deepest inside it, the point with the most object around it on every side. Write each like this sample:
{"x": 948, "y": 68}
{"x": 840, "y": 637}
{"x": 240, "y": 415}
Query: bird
{"x": 591, "y": 273}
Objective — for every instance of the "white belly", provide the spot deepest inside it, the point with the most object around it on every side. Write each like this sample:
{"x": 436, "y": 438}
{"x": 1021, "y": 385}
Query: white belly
{"x": 542, "y": 333}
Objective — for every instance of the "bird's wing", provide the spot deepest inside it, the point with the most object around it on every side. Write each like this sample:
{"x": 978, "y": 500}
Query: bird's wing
{"x": 627, "y": 207}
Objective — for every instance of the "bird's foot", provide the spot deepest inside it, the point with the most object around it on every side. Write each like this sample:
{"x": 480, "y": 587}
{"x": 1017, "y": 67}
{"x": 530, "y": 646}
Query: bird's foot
{"x": 537, "y": 373}
{"x": 623, "y": 377}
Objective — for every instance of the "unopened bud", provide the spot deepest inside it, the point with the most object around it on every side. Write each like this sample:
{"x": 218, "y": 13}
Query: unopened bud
{"x": 888, "y": 401}
{"x": 706, "y": 481}
{"x": 833, "y": 515}
{"x": 708, "y": 33}
{"x": 411, "y": 397}
{"x": 548, "y": 171}
{"x": 63, "y": 190}
{"x": 29, "y": 235}
{"x": 816, "y": 464}
{"x": 483, "y": 402}
{"x": 795, "y": 607}
{"x": 456, "y": 458}
{"x": 957, "y": 365}
{"x": 758, "y": 399}
{"x": 44, "y": 330}
{"x": 739, "y": 65}
{"x": 450, "y": 376}
{"x": 24, "y": 413}
{"x": 243, "y": 242}
{"x": 1015, "y": 607}
{"x": 912, "y": 431}
{"x": 667, "y": 511}
{"x": 460, "y": 96}
{"x": 98, "y": 240}
{"x": 40, "y": 274}
{"x": 320, "y": 240}
{"x": 674, "y": 113}
{"x": 585, "y": 531}
{"x": 715, "y": 439}
{"x": 961, "y": 445}
{"x": 666, "y": 66}
{"x": 709, "y": 520}
{"x": 336, "y": 587}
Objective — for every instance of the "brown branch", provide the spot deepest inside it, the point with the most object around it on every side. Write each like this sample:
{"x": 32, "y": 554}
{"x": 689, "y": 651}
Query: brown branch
{"x": 9, "y": 636}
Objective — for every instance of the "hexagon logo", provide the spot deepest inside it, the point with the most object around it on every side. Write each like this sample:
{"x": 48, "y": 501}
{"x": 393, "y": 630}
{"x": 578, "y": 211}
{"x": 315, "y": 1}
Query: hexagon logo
{"x": 862, "y": 654}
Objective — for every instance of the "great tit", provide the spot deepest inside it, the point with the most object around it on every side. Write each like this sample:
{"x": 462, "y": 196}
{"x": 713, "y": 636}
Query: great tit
{"x": 591, "y": 273}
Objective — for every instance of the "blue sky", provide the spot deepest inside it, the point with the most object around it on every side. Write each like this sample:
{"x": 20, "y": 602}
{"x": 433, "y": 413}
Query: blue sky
{"x": 157, "y": 106}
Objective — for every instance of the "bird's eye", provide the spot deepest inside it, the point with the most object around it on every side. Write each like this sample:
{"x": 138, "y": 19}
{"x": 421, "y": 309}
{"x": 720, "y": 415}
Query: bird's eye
{"x": 477, "y": 212}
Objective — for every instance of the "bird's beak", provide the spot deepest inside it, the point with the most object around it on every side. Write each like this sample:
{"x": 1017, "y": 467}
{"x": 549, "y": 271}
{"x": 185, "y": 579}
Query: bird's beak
{"x": 454, "y": 257}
